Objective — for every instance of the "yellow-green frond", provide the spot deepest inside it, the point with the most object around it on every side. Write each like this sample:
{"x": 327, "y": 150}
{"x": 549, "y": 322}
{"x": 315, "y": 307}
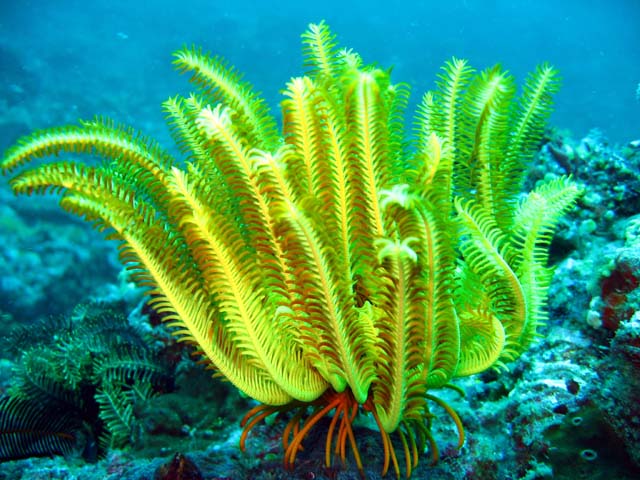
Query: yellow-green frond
{"x": 528, "y": 121}
{"x": 448, "y": 113}
{"x": 535, "y": 220}
{"x": 336, "y": 338}
{"x": 400, "y": 331}
{"x": 303, "y": 130}
{"x": 441, "y": 349}
{"x": 451, "y": 86}
{"x": 482, "y": 340}
{"x": 131, "y": 158}
{"x": 483, "y": 142}
{"x": 397, "y": 99}
{"x": 320, "y": 51}
{"x": 229, "y": 273}
{"x": 538, "y": 215}
{"x": 423, "y": 127}
{"x": 182, "y": 114}
{"x": 222, "y": 83}
{"x": 534, "y": 108}
{"x": 368, "y": 120}
{"x": 489, "y": 255}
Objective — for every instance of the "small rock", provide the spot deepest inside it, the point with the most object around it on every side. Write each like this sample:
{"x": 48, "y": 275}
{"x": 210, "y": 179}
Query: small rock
{"x": 179, "y": 468}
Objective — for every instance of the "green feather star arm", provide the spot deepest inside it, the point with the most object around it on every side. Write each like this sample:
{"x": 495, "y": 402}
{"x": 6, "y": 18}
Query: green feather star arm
{"x": 340, "y": 267}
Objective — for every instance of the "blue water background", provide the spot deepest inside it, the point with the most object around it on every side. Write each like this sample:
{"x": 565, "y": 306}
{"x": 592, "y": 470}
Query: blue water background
{"x": 69, "y": 59}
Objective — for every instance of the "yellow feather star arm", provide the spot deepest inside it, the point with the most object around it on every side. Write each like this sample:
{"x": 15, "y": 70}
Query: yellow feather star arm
{"x": 182, "y": 114}
{"x": 488, "y": 252}
{"x": 188, "y": 313}
{"x": 526, "y": 127}
{"x": 400, "y": 329}
{"x": 240, "y": 300}
{"x": 336, "y": 340}
{"x": 239, "y": 168}
{"x": 447, "y": 113}
{"x": 536, "y": 219}
{"x": 338, "y": 194}
{"x": 222, "y": 83}
{"x": 482, "y": 341}
{"x": 302, "y": 131}
{"x": 483, "y": 143}
{"x": 138, "y": 160}
{"x": 319, "y": 49}
{"x": 442, "y": 340}
{"x": 368, "y": 125}
{"x": 534, "y": 108}
{"x": 424, "y": 133}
